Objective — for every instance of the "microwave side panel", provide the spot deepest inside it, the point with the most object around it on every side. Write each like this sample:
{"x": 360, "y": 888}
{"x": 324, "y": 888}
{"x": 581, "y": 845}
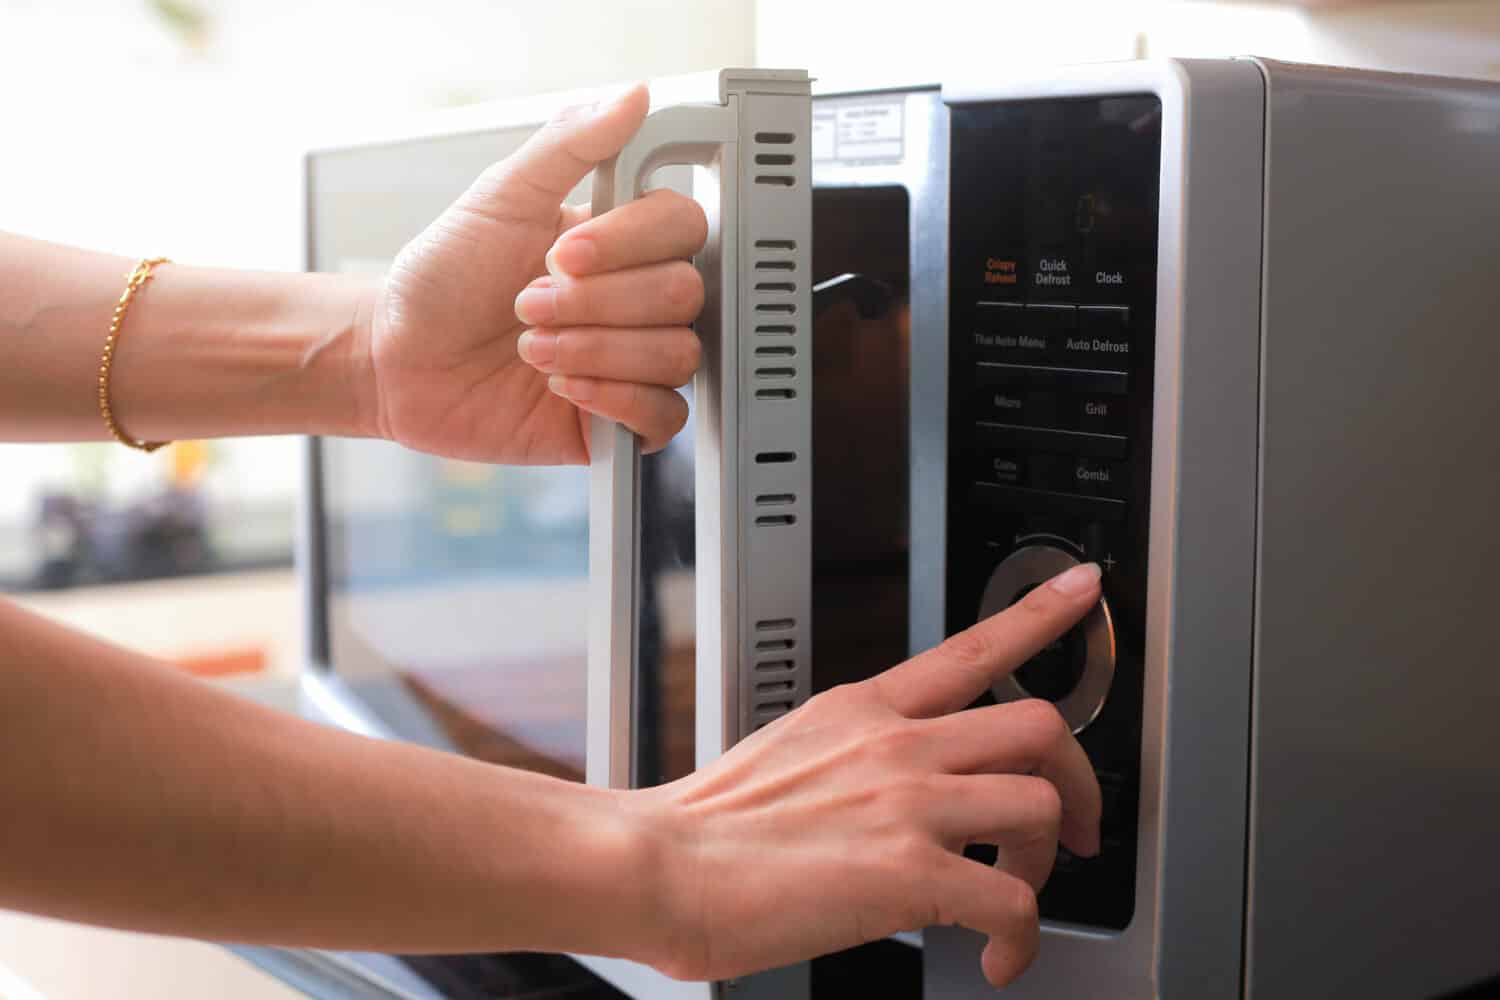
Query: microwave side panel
{"x": 1374, "y": 818}
{"x": 1185, "y": 938}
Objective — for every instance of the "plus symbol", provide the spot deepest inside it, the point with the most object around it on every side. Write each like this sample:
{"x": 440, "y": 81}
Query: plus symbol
{"x": 1109, "y": 562}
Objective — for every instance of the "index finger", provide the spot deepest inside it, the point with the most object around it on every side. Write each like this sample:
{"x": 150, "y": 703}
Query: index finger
{"x": 948, "y": 677}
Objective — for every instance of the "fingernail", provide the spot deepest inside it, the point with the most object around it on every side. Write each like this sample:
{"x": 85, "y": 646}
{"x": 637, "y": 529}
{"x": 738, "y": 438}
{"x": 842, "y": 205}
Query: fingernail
{"x": 579, "y": 390}
{"x": 537, "y": 304}
{"x": 572, "y": 255}
{"x": 1076, "y": 580}
{"x": 537, "y": 349}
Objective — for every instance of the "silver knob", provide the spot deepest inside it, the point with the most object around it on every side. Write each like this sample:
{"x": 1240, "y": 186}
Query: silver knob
{"x": 1023, "y": 569}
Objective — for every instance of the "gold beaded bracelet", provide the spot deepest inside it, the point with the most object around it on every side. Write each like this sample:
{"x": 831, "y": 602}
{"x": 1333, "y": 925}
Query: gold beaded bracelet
{"x": 133, "y": 283}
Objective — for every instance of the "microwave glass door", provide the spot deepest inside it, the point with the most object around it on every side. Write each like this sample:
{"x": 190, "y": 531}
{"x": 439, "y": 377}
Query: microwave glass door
{"x": 449, "y": 599}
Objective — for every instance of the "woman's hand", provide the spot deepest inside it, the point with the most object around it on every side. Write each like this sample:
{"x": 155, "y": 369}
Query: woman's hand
{"x": 475, "y": 351}
{"x": 845, "y": 821}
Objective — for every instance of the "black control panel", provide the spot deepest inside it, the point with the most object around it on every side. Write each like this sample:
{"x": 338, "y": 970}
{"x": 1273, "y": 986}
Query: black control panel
{"x": 1054, "y": 207}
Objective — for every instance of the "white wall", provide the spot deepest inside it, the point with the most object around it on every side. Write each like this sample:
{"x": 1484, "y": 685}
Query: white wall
{"x": 1444, "y": 37}
{"x": 933, "y": 39}
{"x": 123, "y": 135}
{"x": 120, "y": 134}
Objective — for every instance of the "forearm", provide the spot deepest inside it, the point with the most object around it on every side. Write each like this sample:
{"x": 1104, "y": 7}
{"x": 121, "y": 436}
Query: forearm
{"x": 135, "y": 797}
{"x": 203, "y": 352}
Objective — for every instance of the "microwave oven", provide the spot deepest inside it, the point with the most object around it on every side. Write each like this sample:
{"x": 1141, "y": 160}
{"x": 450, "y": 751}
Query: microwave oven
{"x": 1224, "y": 326}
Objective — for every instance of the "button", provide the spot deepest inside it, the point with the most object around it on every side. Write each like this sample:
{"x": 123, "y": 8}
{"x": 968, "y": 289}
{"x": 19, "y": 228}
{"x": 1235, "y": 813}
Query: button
{"x": 1007, "y": 467}
{"x": 1002, "y": 271}
{"x": 1054, "y": 266}
{"x": 1057, "y": 667}
{"x": 1100, "y": 477}
{"x": 1078, "y": 678}
{"x": 1001, "y": 334}
{"x": 1046, "y": 377}
{"x": 1101, "y": 339}
{"x": 1112, "y": 276}
{"x": 1021, "y": 405}
{"x": 1011, "y": 332}
{"x": 1096, "y": 412}
{"x": 1026, "y": 500}
{"x": 1018, "y": 468}
{"x": 1004, "y": 405}
{"x": 999, "y": 435}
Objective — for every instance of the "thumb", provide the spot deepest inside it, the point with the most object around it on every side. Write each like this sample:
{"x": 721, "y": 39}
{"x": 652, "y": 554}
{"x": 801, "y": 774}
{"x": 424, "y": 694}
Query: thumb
{"x": 532, "y": 182}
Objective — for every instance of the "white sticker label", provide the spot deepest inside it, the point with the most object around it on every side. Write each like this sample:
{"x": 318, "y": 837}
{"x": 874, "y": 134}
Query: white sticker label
{"x": 859, "y": 132}
{"x": 824, "y": 145}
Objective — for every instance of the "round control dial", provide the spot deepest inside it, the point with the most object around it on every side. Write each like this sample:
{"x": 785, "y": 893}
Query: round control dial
{"x": 1076, "y": 671}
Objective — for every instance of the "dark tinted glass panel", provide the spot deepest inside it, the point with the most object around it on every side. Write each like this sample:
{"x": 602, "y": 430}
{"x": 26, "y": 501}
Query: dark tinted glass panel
{"x": 1052, "y": 334}
{"x": 861, "y": 361}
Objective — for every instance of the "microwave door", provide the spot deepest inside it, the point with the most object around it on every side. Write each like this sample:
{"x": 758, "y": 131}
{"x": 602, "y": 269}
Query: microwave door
{"x": 445, "y": 599}
{"x": 699, "y": 556}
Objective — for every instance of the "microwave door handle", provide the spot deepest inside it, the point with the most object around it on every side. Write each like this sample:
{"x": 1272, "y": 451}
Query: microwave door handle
{"x": 687, "y": 134}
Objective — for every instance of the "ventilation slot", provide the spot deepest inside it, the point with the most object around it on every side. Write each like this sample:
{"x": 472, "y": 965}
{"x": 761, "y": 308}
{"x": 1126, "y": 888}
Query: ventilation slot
{"x": 776, "y": 138}
{"x": 776, "y": 286}
{"x": 779, "y": 707}
{"x": 775, "y": 265}
{"x": 778, "y": 351}
{"x": 774, "y": 645}
{"x": 775, "y": 393}
{"x": 776, "y": 180}
{"x": 775, "y": 457}
{"x": 775, "y": 499}
{"x": 775, "y": 520}
{"x": 775, "y": 159}
{"x": 776, "y": 329}
{"x": 776, "y": 307}
{"x": 775, "y": 624}
{"x": 775, "y": 244}
{"x": 775, "y": 373}
{"x": 774, "y": 688}
{"x": 771, "y": 667}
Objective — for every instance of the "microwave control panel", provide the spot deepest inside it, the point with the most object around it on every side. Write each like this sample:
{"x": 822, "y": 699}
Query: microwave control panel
{"x": 1054, "y": 208}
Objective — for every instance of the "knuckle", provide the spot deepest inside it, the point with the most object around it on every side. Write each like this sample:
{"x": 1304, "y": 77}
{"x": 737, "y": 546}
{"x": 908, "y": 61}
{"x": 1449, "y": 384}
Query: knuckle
{"x": 1044, "y": 802}
{"x": 838, "y": 702}
{"x": 1042, "y": 719}
{"x": 904, "y": 741}
{"x": 969, "y": 649}
{"x": 684, "y": 289}
{"x": 689, "y": 356}
{"x": 573, "y": 302}
{"x": 686, "y": 217}
{"x": 911, "y": 851}
{"x": 567, "y": 350}
{"x": 1018, "y": 902}
{"x": 695, "y": 223}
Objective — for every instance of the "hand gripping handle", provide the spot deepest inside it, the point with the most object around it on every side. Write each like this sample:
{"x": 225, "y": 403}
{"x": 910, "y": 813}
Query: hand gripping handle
{"x": 723, "y": 139}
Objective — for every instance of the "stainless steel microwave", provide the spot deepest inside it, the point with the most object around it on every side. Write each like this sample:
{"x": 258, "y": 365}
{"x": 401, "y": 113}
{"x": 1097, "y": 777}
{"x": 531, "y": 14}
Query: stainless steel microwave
{"x": 1225, "y": 326}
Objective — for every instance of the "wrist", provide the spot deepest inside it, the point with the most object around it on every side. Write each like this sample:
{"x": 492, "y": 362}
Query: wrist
{"x": 364, "y": 396}
{"x": 337, "y": 375}
{"x": 665, "y": 850}
{"x": 639, "y": 876}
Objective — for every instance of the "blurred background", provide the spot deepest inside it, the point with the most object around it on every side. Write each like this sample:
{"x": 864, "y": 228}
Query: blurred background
{"x": 175, "y": 127}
